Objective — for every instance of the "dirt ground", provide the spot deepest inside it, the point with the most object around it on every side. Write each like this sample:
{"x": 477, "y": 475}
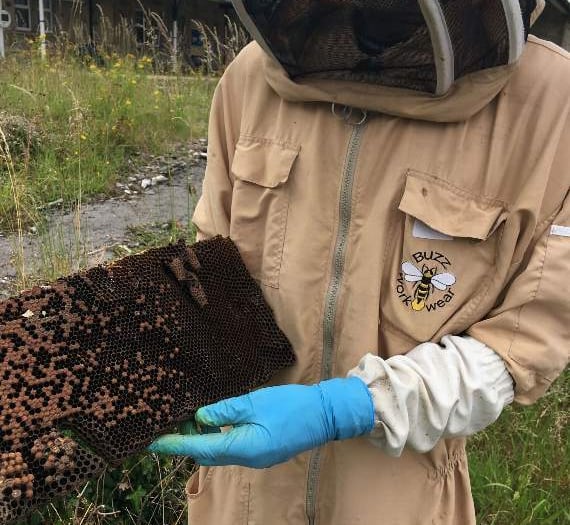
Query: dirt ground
{"x": 101, "y": 226}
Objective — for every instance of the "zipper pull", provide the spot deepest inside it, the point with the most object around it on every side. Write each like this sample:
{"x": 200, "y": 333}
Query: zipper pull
{"x": 352, "y": 116}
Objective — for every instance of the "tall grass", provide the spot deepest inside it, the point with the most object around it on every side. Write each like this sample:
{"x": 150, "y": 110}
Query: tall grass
{"x": 86, "y": 121}
{"x": 219, "y": 50}
{"x": 520, "y": 466}
{"x": 16, "y": 191}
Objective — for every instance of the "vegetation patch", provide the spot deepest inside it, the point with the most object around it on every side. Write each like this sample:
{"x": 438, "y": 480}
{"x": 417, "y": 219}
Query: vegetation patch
{"x": 68, "y": 127}
{"x": 520, "y": 466}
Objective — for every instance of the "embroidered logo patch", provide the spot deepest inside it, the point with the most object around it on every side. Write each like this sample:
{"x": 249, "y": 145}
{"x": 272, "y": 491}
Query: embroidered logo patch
{"x": 419, "y": 282}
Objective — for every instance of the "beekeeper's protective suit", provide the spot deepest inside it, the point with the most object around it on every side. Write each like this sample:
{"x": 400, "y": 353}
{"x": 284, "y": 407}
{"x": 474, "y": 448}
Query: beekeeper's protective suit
{"x": 396, "y": 176}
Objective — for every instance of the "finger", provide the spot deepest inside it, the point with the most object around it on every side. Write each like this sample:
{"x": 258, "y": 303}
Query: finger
{"x": 233, "y": 411}
{"x": 168, "y": 444}
{"x": 208, "y": 450}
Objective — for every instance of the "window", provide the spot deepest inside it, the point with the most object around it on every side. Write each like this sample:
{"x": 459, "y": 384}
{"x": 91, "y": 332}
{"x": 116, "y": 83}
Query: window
{"x": 22, "y": 12}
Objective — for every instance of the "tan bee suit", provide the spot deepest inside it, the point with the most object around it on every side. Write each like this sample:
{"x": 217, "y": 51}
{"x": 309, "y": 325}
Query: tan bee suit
{"x": 322, "y": 201}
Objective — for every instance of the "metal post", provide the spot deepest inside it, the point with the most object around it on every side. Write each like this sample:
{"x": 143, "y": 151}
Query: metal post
{"x": 175, "y": 35}
{"x": 175, "y": 45}
{"x": 42, "y": 28}
{"x": 2, "y": 50}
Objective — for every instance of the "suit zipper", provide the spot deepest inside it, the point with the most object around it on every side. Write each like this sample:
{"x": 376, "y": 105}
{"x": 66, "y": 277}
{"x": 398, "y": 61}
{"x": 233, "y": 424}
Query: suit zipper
{"x": 332, "y": 294}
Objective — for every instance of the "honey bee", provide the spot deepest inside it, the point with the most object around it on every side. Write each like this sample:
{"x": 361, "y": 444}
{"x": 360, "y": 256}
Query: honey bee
{"x": 425, "y": 280}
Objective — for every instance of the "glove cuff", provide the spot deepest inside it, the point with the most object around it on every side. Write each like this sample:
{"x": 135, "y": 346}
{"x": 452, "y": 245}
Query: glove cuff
{"x": 350, "y": 404}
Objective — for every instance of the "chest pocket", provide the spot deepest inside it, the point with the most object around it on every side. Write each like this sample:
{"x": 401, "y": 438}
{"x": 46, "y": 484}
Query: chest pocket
{"x": 441, "y": 258}
{"x": 260, "y": 203}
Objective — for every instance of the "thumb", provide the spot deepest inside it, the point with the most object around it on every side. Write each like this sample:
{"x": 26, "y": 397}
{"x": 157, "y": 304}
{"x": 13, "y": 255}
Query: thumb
{"x": 233, "y": 411}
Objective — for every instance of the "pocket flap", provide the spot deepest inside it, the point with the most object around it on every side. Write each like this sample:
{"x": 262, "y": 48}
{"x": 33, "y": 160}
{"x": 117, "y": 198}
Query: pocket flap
{"x": 263, "y": 162}
{"x": 449, "y": 209}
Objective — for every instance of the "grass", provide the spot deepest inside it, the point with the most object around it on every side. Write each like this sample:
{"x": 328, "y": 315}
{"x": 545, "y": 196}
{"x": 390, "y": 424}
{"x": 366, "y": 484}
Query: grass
{"x": 520, "y": 466}
{"x": 67, "y": 131}
{"x": 145, "y": 490}
{"x": 70, "y": 126}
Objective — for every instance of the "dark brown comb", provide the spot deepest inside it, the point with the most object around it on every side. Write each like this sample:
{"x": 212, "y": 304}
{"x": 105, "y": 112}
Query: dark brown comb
{"x": 97, "y": 365}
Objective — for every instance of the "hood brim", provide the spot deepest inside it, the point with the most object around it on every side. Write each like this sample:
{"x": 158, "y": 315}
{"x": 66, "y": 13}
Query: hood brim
{"x": 465, "y": 98}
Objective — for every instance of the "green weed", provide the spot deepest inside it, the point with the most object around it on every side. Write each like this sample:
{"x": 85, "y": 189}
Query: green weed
{"x": 146, "y": 490}
{"x": 70, "y": 127}
{"x": 520, "y": 466}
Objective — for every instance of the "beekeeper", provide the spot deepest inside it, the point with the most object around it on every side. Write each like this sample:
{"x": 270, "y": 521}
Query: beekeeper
{"x": 396, "y": 177}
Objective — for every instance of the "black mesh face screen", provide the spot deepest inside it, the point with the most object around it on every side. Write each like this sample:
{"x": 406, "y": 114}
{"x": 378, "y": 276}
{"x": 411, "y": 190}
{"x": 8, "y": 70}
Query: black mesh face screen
{"x": 118, "y": 355}
{"x": 385, "y": 42}
{"x": 479, "y": 34}
{"x": 382, "y": 41}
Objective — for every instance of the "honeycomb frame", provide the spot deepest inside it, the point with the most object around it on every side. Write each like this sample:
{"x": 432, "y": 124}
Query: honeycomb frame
{"x": 97, "y": 365}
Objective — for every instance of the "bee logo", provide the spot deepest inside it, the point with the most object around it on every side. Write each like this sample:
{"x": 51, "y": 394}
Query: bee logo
{"x": 426, "y": 280}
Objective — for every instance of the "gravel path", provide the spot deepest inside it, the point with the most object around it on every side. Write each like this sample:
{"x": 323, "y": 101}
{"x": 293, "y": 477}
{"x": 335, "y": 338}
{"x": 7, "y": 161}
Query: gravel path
{"x": 160, "y": 190}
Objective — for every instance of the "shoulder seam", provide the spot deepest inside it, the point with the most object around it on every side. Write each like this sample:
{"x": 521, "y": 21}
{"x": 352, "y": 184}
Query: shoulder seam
{"x": 549, "y": 45}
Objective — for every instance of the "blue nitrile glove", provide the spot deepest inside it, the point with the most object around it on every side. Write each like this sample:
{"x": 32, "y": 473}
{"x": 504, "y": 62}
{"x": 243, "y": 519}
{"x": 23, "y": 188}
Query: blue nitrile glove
{"x": 273, "y": 424}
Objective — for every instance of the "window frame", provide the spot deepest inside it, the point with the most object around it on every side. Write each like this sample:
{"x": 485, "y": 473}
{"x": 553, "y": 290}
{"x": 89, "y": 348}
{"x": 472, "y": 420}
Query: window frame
{"x": 19, "y": 5}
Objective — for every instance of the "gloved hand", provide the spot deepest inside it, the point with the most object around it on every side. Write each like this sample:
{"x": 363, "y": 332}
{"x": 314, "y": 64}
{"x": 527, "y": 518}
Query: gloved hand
{"x": 274, "y": 424}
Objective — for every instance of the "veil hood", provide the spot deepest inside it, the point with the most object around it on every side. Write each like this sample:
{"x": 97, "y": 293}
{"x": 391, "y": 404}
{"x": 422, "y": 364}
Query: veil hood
{"x": 425, "y": 59}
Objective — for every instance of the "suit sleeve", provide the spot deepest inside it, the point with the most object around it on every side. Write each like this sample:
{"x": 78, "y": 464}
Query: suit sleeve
{"x": 451, "y": 389}
{"x": 530, "y": 329}
{"x": 213, "y": 211}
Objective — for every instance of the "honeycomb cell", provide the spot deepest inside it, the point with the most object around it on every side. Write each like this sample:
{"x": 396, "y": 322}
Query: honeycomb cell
{"x": 119, "y": 354}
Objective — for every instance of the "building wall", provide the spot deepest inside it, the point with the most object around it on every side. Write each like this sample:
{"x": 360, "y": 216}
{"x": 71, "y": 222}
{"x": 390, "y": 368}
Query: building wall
{"x": 12, "y": 34}
{"x": 71, "y": 17}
